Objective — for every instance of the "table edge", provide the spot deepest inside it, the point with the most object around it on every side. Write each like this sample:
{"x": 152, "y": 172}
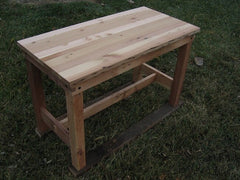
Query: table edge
{"x": 76, "y": 83}
{"x": 56, "y": 77}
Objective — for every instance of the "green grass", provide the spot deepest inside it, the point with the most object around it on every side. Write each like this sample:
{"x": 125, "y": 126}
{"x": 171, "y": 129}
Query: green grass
{"x": 199, "y": 141}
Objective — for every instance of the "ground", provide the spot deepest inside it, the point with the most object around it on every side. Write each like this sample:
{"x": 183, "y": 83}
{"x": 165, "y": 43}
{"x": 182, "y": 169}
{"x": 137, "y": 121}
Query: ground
{"x": 37, "y": 2}
{"x": 199, "y": 141}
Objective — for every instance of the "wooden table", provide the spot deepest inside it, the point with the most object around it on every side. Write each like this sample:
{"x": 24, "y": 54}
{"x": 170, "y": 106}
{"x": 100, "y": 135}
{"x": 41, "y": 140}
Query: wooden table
{"x": 81, "y": 56}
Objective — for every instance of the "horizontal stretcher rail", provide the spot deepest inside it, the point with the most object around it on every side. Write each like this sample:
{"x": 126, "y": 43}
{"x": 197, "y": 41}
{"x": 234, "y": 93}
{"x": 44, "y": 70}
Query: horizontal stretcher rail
{"x": 55, "y": 125}
{"x": 114, "y": 98}
{"x": 161, "y": 78}
{"x": 117, "y": 96}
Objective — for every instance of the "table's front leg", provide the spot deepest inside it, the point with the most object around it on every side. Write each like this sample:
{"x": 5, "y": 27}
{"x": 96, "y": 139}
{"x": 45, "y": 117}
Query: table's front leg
{"x": 38, "y": 99}
{"x": 179, "y": 75}
{"x": 76, "y": 129}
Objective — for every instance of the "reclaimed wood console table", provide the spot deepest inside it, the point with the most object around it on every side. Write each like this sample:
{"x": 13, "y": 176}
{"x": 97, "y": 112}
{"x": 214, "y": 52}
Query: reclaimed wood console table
{"x": 84, "y": 55}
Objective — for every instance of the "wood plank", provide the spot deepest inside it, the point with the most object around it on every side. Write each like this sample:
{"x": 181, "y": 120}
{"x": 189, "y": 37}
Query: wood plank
{"x": 38, "y": 98}
{"x": 117, "y": 96}
{"x": 55, "y": 125}
{"x": 111, "y": 98}
{"x": 47, "y": 70}
{"x": 63, "y": 118}
{"x": 179, "y": 74}
{"x": 137, "y": 75}
{"x": 161, "y": 78}
{"x": 108, "y": 148}
{"x": 100, "y": 47}
{"x": 121, "y": 55}
{"x": 76, "y": 129}
{"x": 64, "y": 121}
{"x": 72, "y": 55}
{"x": 84, "y": 84}
{"x": 91, "y": 33}
{"x": 80, "y": 25}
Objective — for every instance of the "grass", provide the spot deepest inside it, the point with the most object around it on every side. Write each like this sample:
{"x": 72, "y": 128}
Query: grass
{"x": 199, "y": 141}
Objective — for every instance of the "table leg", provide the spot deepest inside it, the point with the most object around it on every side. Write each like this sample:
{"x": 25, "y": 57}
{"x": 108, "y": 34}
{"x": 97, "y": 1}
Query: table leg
{"x": 38, "y": 99}
{"x": 76, "y": 129}
{"x": 181, "y": 66}
{"x": 137, "y": 73}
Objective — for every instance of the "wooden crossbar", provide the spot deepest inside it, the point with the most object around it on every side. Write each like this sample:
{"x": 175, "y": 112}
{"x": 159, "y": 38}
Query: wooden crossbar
{"x": 161, "y": 78}
{"x": 55, "y": 125}
{"x": 152, "y": 75}
{"x": 114, "y": 98}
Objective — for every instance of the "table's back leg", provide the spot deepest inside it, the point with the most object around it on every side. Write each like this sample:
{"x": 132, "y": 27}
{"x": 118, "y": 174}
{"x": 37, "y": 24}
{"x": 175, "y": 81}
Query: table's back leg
{"x": 76, "y": 129}
{"x": 38, "y": 99}
{"x": 137, "y": 73}
{"x": 182, "y": 60}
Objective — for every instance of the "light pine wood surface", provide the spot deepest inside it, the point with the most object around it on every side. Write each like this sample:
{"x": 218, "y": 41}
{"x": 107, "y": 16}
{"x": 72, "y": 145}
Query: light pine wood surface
{"x": 79, "y": 52}
{"x": 81, "y": 56}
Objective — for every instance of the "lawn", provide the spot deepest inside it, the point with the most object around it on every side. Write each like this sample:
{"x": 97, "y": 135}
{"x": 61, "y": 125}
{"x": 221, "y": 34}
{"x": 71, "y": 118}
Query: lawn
{"x": 201, "y": 140}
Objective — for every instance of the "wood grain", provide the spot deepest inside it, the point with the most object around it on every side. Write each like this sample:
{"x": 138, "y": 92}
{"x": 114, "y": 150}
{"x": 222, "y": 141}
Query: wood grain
{"x": 80, "y": 25}
{"x": 117, "y": 96}
{"x": 76, "y": 129}
{"x": 161, "y": 78}
{"x": 55, "y": 125}
{"x": 38, "y": 98}
{"x": 83, "y": 55}
{"x": 179, "y": 74}
{"x": 81, "y": 51}
{"x": 83, "y": 84}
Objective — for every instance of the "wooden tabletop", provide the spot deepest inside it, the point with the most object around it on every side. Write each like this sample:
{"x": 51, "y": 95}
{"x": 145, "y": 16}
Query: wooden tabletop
{"x": 85, "y": 49}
